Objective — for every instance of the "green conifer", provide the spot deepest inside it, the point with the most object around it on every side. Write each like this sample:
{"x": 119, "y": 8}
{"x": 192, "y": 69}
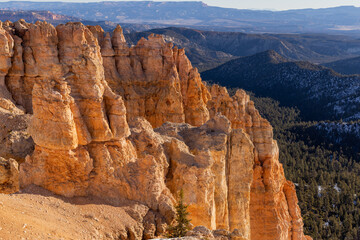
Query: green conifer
{"x": 182, "y": 224}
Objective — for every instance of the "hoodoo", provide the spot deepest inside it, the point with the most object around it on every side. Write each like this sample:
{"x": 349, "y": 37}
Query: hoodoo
{"x": 137, "y": 123}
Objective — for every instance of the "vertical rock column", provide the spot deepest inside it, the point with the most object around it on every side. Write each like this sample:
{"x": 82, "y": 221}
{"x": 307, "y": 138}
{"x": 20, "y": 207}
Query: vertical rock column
{"x": 36, "y": 57}
{"x": 15, "y": 78}
{"x": 274, "y": 213}
{"x": 80, "y": 130}
{"x": 240, "y": 176}
{"x": 146, "y": 77}
{"x": 58, "y": 163}
{"x": 191, "y": 170}
{"x": 80, "y": 54}
{"x": 72, "y": 105}
{"x": 217, "y": 137}
{"x": 6, "y": 52}
{"x": 195, "y": 94}
{"x": 213, "y": 164}
{"x": 156, "y": 80}
{"x": 15, "y": 141}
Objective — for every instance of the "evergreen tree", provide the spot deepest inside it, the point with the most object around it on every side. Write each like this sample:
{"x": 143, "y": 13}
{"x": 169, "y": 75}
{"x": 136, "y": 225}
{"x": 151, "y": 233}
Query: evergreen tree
{"x": 182, "y": 221}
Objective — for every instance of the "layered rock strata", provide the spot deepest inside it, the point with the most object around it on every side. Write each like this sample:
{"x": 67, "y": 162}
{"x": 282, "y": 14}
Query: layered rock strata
{"x": 84, "y": 87}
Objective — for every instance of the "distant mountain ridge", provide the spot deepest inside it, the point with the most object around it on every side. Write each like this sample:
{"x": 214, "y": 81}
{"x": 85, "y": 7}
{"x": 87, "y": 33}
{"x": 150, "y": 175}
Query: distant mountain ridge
{"x": 48, "y": 16}
{"x": 319, "y": 92}
{"x": 208, "y": 49}
{"x": 339, "y": 20}
{"x": 33, "y": 16}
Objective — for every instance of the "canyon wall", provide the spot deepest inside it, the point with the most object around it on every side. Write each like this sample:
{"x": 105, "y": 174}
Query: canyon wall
{"x": 137, "y": 123}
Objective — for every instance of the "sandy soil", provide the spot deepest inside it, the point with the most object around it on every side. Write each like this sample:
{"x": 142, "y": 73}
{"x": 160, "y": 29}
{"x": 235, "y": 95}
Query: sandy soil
{"x": 38, "y": 214}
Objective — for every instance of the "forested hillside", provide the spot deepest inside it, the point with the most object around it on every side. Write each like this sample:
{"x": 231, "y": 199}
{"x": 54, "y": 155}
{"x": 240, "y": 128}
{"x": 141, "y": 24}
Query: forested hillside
{"x": 326, "y": 175}
{"x": 346, "y": 66}
{"x": 319, "y": 92}
{"x": 322, "y": 158}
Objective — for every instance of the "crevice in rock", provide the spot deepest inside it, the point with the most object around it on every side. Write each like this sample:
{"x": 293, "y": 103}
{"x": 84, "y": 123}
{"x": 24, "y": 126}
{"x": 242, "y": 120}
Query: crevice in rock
{"x": 228, "y": 155}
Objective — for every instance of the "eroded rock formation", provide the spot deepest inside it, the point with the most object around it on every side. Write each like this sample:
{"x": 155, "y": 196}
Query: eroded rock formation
{"x": 9, "y": 176}
{"x": 80, "y": 130}
{"x": 95, "y": 102}
{"x": 156, "y": 80}
{"x": 214, "y": 164}
{"x": 14, "y": 139}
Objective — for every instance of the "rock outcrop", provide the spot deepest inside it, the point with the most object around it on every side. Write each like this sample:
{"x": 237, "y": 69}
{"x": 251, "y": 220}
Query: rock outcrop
{"x": 95, "y": 102}
{"x": 273, "y": 214}
{"x": 14, "y": 139}
{"x": 201, "y": 232}
{"x": 9, "y": 176}
{"x": 214, "y": 164}
{"x": 156, "y": 80}
{"x": 6, "y": 52}
{"x": 270, "y": 214}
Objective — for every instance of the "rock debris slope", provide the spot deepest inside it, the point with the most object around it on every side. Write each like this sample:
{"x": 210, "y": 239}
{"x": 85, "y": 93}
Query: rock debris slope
{"x": 137, "y": 123}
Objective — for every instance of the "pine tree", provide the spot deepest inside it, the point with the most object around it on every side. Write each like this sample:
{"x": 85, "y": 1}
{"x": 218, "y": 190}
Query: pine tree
{"x": 182, "y": 221}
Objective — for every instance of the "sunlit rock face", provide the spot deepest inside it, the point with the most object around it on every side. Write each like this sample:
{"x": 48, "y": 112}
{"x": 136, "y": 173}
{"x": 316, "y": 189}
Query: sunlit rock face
{"x": 155, "y": 79}
{"x": 15, "y": 140}
{"x": 137, "y": 123}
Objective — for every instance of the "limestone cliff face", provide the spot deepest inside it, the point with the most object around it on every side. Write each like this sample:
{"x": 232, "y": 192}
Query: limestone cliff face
{"x": 95, "y": 103}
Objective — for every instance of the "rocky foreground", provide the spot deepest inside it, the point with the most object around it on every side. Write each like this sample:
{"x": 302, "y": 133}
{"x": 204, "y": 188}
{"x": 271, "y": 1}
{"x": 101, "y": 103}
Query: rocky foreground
{"x": 86, "y": 115}
{"x": 35, "y": 213}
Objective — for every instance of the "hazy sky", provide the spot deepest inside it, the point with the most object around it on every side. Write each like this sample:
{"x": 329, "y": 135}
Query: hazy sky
{"x": 253, "y": 4}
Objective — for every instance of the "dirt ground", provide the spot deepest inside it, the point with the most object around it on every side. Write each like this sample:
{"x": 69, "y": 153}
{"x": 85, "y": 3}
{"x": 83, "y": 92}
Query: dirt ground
{"x": 38, "y": 214}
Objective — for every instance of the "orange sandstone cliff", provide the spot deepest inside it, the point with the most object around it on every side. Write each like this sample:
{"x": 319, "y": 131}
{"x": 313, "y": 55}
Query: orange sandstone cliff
{"x": 137, "y": 123}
